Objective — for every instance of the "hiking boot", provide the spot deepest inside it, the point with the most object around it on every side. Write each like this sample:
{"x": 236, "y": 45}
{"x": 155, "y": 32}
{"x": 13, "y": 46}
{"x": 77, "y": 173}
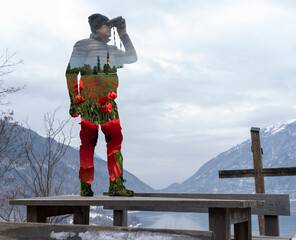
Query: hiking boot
{"x": 117, "y": 188}
{"x": 85, "y": 190}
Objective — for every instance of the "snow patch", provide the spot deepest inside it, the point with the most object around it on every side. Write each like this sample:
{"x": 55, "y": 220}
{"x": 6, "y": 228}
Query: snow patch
{"x": 135, "y": 226}
{"x": 278, "y": 127}
{"x": 94, "y": 215}
{"x": 61, "y": 235}
{"x": 112, "y": 235}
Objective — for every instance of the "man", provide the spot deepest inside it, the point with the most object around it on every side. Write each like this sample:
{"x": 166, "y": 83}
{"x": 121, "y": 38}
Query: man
{"x": 93, "y": 98}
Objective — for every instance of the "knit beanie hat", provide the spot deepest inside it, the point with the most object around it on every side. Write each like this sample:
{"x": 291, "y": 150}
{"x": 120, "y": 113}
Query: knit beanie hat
{"x": 96, "y": 21}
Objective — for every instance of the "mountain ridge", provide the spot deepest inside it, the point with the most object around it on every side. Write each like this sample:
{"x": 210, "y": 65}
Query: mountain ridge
{"x": 279, "y": 145}
{"x": 67, "y": 169}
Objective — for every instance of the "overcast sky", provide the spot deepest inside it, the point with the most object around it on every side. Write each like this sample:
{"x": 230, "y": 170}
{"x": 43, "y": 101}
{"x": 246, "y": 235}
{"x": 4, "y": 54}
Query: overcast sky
{"x": 207, "y": 71}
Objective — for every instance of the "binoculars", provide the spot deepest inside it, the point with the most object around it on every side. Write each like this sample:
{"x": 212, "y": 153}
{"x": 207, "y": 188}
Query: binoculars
{"x": 117, "y": 22}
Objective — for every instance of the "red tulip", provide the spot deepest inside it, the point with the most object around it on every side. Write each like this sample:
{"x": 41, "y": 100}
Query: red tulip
{"x": 107, "y": 108}
{"x": 81, "y": 85}
{"x": 75, "y": 89}
{"x": 112, "y": 95}
{"x": 102, "y": 100}
{"x": 78, "y": 99}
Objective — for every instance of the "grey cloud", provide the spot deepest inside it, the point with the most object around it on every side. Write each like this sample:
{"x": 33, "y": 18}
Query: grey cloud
{"x": 202, "y": 81}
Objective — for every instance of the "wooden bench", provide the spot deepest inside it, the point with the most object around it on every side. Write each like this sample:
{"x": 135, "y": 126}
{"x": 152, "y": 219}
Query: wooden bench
{"x": 275, "y": 205}
{"x": 222, "y": 212}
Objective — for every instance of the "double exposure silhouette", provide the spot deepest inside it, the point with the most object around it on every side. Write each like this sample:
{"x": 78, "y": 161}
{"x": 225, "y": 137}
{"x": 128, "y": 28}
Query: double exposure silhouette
{"x": 92, "y": 84}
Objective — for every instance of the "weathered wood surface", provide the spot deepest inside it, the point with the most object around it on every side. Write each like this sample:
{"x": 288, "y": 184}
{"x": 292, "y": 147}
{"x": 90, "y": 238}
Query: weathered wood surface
{"x": 133, "y": 203}
{"x": 40, "y": 213}
{"x": 267, "y": 238}
{"x": 237, "y": 212}
{"x": 41, "y": 231}
{"x": 266, "y": 172}
{"x": 275, "y": 204}
{"x": 272, "y": 227}
{"x": 120, "y": 218}
{"x": 257, "y": 159}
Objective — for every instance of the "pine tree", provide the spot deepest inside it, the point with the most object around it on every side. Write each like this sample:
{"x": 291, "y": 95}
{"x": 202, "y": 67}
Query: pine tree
{"x": 95, "y": 70}
{"x": 99, "y": 64}
{"x": 106, "y": 68}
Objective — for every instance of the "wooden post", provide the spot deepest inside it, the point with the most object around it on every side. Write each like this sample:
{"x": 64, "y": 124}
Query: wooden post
{"x": 81, "y": 215}
{"x": 243, "y": 230}
{"x": 36, "y": 214}
{"x": 219, "y": 222}
{"x": 259, "y": 178}
{"x": 272, "y": 225}
{"x": 120, "y": 218}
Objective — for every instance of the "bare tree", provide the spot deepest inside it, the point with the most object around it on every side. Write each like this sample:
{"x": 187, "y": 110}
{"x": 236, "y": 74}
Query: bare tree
{"x": 9, "y": 155}
{"x": 8, "y": 137}
{"x": 26, "y": 168}
{"x": 38, "y": 172}
{"x": 9, "y": 142}
{"x": 8, "y": 212}
{"x": 7, "y": 66}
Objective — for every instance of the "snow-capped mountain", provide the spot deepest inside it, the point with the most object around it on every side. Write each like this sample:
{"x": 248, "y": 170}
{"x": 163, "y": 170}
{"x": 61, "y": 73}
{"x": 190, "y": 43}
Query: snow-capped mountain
{"x": 279, "y": 146}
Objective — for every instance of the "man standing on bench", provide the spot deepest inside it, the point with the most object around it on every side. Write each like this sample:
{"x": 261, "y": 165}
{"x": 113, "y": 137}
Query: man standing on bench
{"x": 92, "y": 84}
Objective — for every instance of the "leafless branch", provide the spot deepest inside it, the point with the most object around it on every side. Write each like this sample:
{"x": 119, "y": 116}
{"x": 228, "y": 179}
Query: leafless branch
{"x": 7, "y": 66}
{"x": 41, "y": 162}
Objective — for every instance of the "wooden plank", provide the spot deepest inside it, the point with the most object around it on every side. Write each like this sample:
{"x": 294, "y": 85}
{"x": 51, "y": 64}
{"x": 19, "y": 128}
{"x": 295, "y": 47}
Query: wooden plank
{"x": 219, "y": 223}
{"x": 120, "y": 218}
{"x": 243, "y": 231}
{"x": 242, "y": 224}
{"x": 266, "y": 172}
{"x": 50, "y": 211}
{"x": 40, "y": 213}
{"x": 35, "y": 214}
{"x": 81, "y": 215}
{"x": 272, "y": 226}
{"x": 239, "y": 215}
{"x": 107, "y": 201}
{"x": 267, "y": 238}
{"x": 258, "y": 165}
{"x": 275, "y": 204}
{"x": 257, "y": 159}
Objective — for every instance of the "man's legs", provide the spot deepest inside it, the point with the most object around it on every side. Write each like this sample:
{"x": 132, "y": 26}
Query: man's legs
{"x": 88, "y": 136}
{"x": 113, "y": 136}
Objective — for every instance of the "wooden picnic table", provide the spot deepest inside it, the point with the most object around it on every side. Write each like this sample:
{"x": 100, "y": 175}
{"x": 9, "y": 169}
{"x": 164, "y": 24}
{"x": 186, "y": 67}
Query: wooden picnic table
{"x": 222, "y": 212}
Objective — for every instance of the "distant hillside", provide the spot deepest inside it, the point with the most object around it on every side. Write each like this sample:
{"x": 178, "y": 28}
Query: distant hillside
{"x": 279, "y": 145}
{"x": 68, "y": 169}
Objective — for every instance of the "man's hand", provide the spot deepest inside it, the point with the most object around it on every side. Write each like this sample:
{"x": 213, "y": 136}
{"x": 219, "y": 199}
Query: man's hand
{"x": 121, "y": 26}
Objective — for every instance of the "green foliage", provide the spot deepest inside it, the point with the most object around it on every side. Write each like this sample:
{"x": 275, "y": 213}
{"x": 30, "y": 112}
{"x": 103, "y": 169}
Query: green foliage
{"x": 95, "y": 70}
{"x": 106, "y": 68}
{"x": 113, "y": 70}
{"x": 68, "y": 70}
{"x": 85, "y": 70}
